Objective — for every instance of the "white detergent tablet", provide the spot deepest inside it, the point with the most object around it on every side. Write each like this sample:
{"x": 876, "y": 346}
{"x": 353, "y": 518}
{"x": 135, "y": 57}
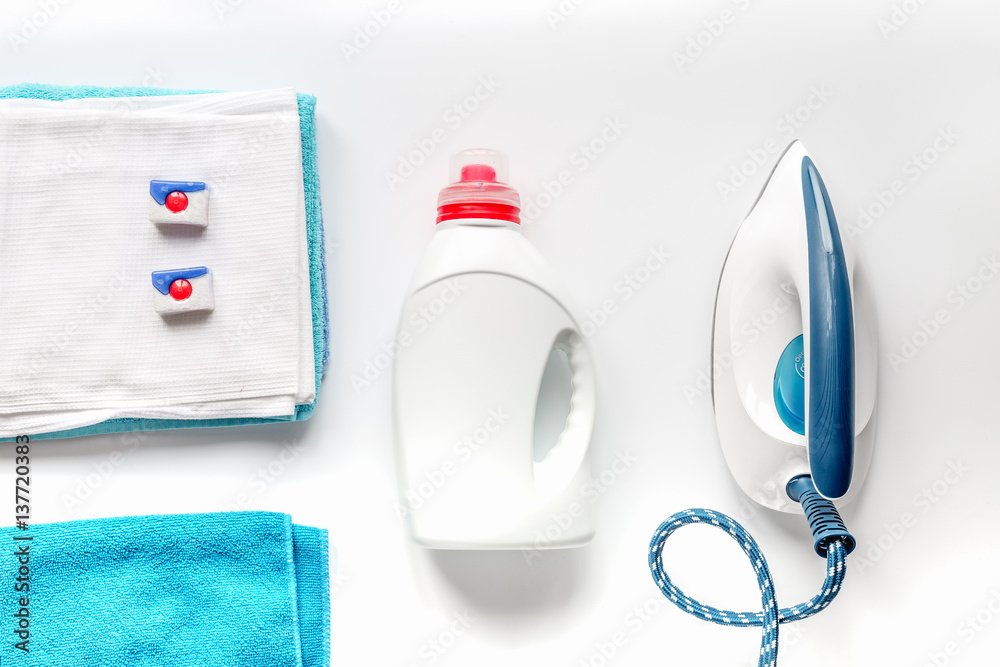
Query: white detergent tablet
{"x": 178, "y": 203}
{"x": 183, "y": 291}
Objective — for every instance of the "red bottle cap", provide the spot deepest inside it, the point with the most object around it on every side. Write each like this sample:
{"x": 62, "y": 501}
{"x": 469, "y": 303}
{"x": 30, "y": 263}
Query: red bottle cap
{"x": 479, "y": 188}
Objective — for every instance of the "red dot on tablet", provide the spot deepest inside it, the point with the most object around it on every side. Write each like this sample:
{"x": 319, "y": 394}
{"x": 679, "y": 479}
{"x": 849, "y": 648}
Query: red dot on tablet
{"x": 180, "y": 289}
{"x": 177, "y": 202}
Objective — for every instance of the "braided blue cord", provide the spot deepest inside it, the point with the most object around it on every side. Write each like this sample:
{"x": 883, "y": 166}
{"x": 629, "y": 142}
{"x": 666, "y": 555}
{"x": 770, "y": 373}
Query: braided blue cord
{"x": 768, "y": 620}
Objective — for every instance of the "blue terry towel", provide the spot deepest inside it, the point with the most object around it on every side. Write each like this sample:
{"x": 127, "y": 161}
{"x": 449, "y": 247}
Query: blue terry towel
{"x": 235, "y": 589}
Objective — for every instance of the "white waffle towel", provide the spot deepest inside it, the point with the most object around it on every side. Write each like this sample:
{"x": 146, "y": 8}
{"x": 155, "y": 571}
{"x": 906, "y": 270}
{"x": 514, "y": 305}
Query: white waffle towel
{"x": 80, "y": 339}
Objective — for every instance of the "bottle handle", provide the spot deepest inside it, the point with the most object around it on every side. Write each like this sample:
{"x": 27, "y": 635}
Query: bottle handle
{"x": 563, "y": 461}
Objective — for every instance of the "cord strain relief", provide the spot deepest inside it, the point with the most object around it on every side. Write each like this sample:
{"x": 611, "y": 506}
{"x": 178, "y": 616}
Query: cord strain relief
{"x": 824, "y": 519}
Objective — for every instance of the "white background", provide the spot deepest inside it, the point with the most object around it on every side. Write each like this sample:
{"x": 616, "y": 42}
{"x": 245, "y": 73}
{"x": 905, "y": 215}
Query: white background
{"x": 687, "y": 128}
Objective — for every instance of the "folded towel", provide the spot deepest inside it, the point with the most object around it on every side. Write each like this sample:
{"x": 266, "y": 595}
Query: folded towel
{"x": 239, "y": 589}
{"x": 82, "y": 348}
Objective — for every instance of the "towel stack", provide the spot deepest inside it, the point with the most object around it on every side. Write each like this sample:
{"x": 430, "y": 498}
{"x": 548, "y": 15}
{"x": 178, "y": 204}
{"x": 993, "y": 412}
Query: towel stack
{"x": 82, "y": 347}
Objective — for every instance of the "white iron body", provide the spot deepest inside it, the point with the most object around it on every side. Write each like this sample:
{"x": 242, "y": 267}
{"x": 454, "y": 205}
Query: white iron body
{"x": 762, "y": 304}
{"x": 482, "y": 315}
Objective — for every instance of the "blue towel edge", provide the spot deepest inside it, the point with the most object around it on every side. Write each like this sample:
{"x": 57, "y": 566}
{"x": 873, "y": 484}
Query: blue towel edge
{"x": 319, "y": 538}
{"x": 292, "y": 584}
{"x": 315, "y": 239}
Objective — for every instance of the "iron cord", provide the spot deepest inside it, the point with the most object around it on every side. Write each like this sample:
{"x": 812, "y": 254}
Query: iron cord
{"x": 835, "y": 549}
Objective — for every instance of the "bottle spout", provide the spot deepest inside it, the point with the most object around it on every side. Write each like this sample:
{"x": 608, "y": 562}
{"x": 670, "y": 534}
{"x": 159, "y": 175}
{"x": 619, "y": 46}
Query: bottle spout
{"x": 479, "y": 188}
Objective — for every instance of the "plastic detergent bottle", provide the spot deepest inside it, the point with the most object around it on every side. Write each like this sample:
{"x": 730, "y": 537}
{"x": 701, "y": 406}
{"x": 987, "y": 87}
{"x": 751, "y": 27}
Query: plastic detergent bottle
{"x": 482, "y": 315}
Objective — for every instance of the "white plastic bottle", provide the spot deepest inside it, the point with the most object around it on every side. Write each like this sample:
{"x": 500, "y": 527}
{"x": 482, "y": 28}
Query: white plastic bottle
{"x": 482, "y": 315}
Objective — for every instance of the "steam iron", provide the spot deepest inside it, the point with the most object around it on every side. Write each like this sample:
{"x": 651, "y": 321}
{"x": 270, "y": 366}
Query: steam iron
{"x": 794, "y": 371}
{"x": 794, "y": 345}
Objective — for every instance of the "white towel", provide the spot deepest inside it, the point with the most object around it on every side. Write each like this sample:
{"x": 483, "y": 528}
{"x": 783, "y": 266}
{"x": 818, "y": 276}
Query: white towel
{"x": 80, "y": 340}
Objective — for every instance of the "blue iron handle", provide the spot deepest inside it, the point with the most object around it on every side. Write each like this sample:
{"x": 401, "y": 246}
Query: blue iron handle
{"x": 830, "y": 357}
